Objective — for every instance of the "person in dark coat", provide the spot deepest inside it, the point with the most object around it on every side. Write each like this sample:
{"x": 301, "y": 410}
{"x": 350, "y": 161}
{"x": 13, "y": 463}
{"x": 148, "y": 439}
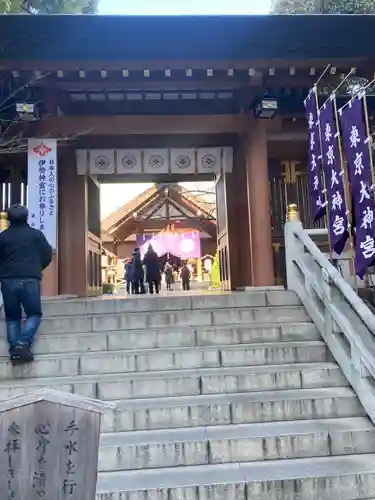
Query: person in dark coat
{"x": 185, "y": 277}
{"x": 24, "y": 254}
{"x": 168, "y": 272}
{"x": 128, "y": 276}
{"x": 151, "y": 261}
{"x": 137, "y": 273}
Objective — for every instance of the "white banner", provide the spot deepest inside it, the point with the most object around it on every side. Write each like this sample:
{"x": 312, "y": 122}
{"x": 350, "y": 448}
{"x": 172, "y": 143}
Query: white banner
{"x": 183, "y": 161}
{"x": 42, "y": 187}
{"x": 209, "y": 160}
{"x": 129, "y": 161}
{"x": 102, "y": 161}
{"x": 156, "y": 161}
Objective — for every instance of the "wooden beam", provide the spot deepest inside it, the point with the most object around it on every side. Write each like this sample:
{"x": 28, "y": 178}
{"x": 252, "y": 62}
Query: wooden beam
{"x": 159, "y": 205}
{"x": 147, "y": 84}
{"x": 72, "y": 126}
{"x": 189, "y": 205}
{"x": 160, "y": 64}
{"x": 125, "y": 231}
{"x": 288, "y": 136}
{"x": 280, "y": 79}
{"x": 139, "y": 210}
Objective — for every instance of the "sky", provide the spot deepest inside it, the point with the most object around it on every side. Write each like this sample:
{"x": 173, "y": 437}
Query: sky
{"x": 114, "y": 196}
{"x": 184, "y": 7}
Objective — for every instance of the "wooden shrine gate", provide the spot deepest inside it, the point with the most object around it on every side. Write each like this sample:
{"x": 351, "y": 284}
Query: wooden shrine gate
{"x": 222, "y": 230}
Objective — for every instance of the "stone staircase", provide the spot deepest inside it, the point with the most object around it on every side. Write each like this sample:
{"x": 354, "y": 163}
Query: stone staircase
{"x": 222, "y": 397}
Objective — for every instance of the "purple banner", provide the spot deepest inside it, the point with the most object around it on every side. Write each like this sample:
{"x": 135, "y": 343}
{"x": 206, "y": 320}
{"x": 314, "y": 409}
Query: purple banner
{"x": 357, "y": 152}
{"x": 183, "y": 245}
{"x": 316, "y": 188}
{"x": 334, "y": 175}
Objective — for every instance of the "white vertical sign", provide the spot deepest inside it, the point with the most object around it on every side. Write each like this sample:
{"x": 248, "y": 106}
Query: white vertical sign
{"x": 42, "y": 187}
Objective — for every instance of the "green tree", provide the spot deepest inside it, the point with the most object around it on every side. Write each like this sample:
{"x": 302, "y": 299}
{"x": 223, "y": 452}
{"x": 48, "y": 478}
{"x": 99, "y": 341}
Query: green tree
{"x": 49, "y": 6}
{"x": 323, "y": 7}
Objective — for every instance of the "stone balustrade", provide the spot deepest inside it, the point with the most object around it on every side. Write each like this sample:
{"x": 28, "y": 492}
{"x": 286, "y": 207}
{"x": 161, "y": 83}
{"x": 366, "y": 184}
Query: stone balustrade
{"x": 345, "y": 322}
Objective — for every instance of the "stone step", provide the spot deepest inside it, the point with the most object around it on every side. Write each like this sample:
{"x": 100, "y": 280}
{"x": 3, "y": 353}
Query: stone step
{"x": 224, "y": 409}
{"x": 236, "y": 443}
{"x": 140, "y": 320}
{"x": 323, "y": 478}
{"x": 171, "y": 337}
{"x": 286, "y": 314}
{"x": 209, "y": 300}
{"x": 168, "y": 358}
{"x": 185, "y": 382}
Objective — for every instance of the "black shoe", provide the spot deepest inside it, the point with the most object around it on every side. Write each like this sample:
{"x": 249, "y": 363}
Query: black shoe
{"x": 28, "y": 357}
{"x": 15, "y": 355}
{"x": 21, "y": 354}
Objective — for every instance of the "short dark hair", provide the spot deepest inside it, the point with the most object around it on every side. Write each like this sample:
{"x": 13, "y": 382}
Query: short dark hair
{"x": 18, "y": 214}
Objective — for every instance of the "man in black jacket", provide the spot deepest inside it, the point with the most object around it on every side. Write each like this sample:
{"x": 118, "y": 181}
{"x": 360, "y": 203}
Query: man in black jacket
{"x": 24, "y": 253}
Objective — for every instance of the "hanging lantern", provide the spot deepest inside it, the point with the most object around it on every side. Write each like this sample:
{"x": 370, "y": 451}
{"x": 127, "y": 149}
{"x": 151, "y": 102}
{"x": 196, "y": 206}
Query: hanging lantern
{"x": 3, "y": 221}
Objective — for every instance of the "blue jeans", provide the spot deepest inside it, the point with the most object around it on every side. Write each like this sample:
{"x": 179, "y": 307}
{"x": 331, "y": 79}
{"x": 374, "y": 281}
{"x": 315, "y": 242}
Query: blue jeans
{"x": 18, "y": 294}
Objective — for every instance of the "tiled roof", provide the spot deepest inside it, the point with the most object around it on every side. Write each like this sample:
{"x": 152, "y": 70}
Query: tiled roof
{"x": 128, "y": 208}
{"x": 147, "y": 38}
{"x": 133, "y": 205}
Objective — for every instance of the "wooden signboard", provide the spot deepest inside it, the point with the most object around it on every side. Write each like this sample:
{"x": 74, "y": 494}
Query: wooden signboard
{"x": 49, "y": 444}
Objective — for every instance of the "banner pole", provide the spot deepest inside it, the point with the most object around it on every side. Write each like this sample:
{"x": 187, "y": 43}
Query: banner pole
{"x": 326, "y": 217}
{"x": 367, "y": 125}
{"x": 316, "y": 100}
{"x": 363, "y": 96}
{"x": 347, "y": 192}
{"x": 333, "y": 93}
{"x": 358, "y": 94}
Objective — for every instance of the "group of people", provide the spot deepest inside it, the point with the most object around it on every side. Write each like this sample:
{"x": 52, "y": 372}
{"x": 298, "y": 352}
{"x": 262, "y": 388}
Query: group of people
{"x": 185, "y": 275}
{"x": 140, "y": 272}
{"x": 25, "y": 253}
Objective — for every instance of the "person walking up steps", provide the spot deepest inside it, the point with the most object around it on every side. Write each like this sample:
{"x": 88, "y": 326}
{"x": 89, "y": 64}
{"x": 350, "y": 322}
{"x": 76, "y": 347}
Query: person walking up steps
{"x": 24, "y": 254}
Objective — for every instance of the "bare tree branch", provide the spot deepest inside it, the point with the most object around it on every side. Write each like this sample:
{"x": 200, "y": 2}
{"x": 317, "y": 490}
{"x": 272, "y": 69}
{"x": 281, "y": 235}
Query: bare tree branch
{"x": 17, "y": 143}
{"x": 20, "y": 89}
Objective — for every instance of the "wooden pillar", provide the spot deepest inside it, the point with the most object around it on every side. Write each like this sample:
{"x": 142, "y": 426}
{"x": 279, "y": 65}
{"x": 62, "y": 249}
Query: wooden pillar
{"x": 72, "y": 227}
{"x": 115, "y": 248}
{"x": 242, "y": 222}
{"x": 259, "y": 205}
{"x": 231, "y": 206}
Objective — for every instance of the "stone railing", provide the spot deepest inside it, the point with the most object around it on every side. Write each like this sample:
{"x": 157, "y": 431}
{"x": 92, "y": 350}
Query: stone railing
{"x": 345, "y": 322}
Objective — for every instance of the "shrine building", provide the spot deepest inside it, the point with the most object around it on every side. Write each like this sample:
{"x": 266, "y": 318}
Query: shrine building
{"x": 163, "y": 207}
{"x": 92, "y": 99}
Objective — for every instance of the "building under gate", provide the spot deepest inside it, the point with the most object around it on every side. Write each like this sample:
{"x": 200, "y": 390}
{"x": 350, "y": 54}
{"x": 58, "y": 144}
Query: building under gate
{"x": 187, "y": 216}
{"x": 167, "y": 99}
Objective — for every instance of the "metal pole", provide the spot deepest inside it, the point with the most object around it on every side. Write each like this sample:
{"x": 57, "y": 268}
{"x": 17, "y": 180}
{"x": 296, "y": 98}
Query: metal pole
{"x": 323, "y": 177}
{"x": 347, "y": 192}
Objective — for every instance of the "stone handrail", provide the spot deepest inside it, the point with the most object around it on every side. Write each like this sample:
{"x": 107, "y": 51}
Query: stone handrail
{"x": 345, "y": 322}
